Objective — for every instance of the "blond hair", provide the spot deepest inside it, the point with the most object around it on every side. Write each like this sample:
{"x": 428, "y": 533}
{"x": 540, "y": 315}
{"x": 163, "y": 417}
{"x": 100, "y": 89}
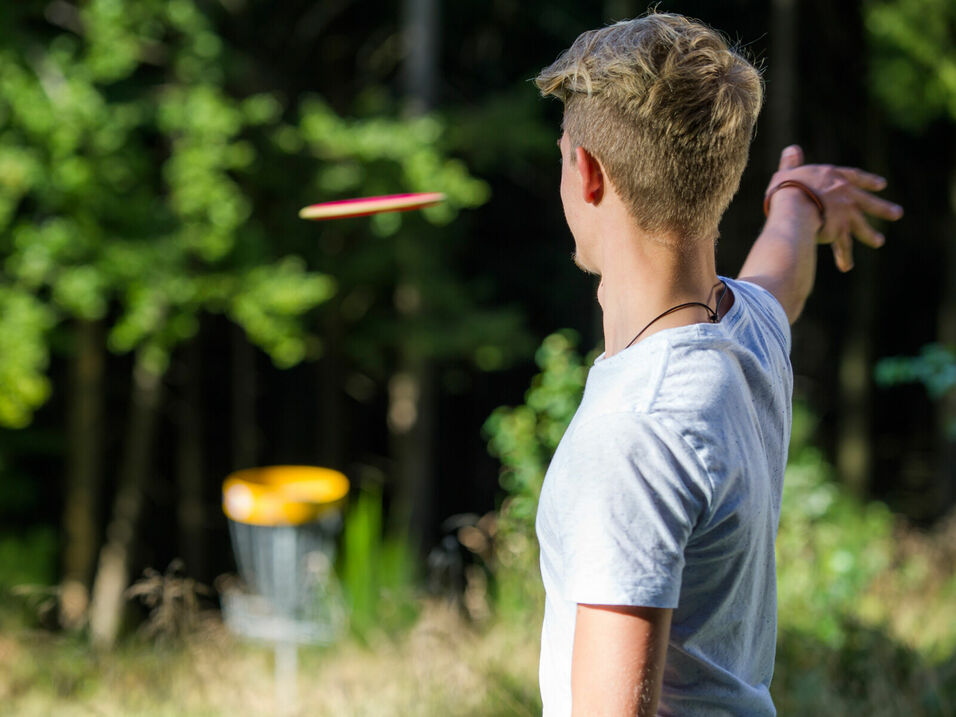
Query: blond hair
{"x": 668, "y": 109}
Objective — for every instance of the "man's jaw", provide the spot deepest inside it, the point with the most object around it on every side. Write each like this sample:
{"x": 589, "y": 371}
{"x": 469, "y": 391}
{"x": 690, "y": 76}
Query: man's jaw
{"x": 579, "y": 263}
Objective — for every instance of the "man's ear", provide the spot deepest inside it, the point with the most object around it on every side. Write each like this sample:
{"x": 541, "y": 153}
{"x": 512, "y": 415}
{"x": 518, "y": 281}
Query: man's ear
{"x": 591, "y": 174}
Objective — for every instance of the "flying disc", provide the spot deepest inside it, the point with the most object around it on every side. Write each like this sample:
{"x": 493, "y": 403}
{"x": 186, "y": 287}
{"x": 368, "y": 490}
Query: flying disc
{"x": 363, "y": 206}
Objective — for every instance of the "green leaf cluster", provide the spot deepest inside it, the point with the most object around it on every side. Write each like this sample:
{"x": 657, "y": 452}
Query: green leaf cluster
{"x": 352, "y": 155}
{"x": 524, "y": 439}
{"x": 136, "y": 187}
{"x": 935, "y": 368}
{"x": 24, "y": 322}
{"x": 117, "y": 158}
{"x": 28, "y": 558}
{"x": 400, "y": 278}
{"x": 269, "y": 301}
{"x": 830, "y": 545}
{"x": 377, "y": 571}
{"x": 913, "y": 58}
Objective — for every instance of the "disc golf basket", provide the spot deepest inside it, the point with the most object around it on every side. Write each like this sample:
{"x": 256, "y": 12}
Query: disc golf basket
{"x": 283, "y": 521}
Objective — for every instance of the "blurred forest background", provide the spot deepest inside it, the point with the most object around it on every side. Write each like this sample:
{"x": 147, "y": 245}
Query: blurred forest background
{"x": 165, "y": 319}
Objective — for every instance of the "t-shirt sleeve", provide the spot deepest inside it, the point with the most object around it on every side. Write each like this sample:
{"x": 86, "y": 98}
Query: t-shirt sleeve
{"x": 769, "y": 312}
{"x": 634, "y": 492}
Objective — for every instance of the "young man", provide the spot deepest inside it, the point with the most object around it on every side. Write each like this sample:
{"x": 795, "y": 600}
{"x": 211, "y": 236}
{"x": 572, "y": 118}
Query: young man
{"x": 660, "y": 508}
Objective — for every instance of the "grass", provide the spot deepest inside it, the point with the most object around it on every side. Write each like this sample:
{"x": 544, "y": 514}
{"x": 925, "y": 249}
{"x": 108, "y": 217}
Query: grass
{"x": 442, "y": 666}
{"x": 870, "y": 673}
{"x": 890, "y": 653}
{"x": 867, "y": 627}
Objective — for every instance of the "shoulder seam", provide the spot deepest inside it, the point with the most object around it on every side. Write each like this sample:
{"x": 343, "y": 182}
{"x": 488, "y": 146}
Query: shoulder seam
{"x": 774, "y": 307}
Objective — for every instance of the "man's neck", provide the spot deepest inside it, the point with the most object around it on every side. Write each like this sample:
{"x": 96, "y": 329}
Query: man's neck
{"x": 642, "y": 277}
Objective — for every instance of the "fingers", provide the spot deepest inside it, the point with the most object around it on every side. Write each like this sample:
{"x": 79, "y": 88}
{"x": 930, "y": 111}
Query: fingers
{"x": 846, "y": 194}
{"x": 843, "y": 252}
{"x": 875, "y": 206}
{"x": 791, "y": 157}
{"x": 842, "y": 242}
{"x": 864, "y": 180}
{"x": 865, "y": 233}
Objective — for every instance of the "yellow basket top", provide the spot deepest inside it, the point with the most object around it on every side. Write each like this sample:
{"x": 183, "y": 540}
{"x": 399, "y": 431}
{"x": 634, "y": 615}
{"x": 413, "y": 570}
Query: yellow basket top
{"x": 283, "y": 495}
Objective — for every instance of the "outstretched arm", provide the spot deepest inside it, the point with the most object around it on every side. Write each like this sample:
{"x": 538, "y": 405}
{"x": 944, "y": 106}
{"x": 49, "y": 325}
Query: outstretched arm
{"x": 783, "y": 259}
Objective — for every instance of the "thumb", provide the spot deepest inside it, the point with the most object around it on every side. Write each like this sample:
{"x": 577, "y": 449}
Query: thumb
{"x": 791, "y": 157}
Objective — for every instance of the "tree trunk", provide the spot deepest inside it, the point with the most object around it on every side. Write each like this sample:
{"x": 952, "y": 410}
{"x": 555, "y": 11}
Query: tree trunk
{"x": 782, "y": 81}
{"x": 420, "y": 71}
{"x": 189, "y": 462}
{"x": 853, "y": 457}
{"x": 411, "y": 425}
{"x": 84, "y": 473}
{"x": 842, "y": 141}
{"x": 945, "y": 491}
{"x": 245, "y": 432}
{"x": 112, "y": 575}
{"x": 854, "y": 439}
{"x": 410, "y": 390}
{"x": 332, "y": 419}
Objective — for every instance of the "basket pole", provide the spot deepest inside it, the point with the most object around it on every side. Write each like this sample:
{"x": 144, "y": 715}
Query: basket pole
{"x": 287, "y": 682}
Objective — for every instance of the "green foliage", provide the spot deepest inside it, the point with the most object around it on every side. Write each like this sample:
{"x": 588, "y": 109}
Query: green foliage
{"x": 377, "y": 572}
{"x": 269, "y": 302}
{"x": 524, "y": 439}
{"x": 913, "y": 73}
{"x": 351, "y": 151}
{"x": 24, "y": 322}
{"x": 521, "y": 140}
{"x": 404, "y": 296}
{"x": 913, "y": 58}
{"x": 935, "y": 368}
{"x": 28, "y": 558}
{"x": 124, "y": 181}
{"x": 843, "y": 583}
{"x": 136, "y": 184}
{"x": 830, "y": 546}
{"x": 870, "y": 674}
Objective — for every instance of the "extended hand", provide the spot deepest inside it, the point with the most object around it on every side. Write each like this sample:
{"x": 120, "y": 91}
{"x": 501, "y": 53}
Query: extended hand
{"x": 845, "y": 193}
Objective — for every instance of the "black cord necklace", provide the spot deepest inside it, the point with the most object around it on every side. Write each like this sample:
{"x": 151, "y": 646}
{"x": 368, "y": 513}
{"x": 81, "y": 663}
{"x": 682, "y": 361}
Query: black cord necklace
{"x": 713, "y": 315}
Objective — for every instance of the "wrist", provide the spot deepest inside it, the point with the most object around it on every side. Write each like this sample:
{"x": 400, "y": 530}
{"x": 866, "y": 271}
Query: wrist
{"x": 793, "y": 204}
{"x": 798, "y": 201}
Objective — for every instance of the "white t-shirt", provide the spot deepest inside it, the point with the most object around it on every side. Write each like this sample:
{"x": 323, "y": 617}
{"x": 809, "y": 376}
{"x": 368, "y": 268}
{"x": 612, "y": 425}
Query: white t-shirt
{"x": 665, "y": 492}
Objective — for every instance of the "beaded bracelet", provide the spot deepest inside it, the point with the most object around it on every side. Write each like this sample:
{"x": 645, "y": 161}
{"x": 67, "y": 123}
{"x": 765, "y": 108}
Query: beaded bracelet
{"x": 811, "y": 195}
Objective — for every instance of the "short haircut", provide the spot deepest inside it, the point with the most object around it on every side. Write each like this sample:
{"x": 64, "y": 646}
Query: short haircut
{"x": 668, "y": 108}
